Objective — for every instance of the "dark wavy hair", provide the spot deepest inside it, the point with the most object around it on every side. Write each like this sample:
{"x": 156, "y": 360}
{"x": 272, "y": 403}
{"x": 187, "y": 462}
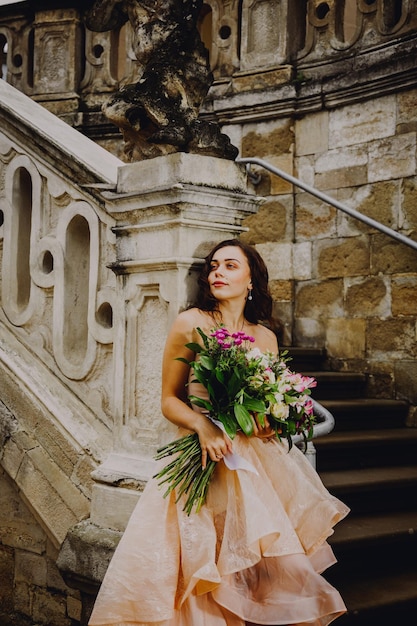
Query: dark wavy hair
{"x": 259, "y": 309}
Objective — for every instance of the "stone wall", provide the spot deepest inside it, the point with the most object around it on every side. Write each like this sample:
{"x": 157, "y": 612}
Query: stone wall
{"x": 32, "y": 590}
{"x": 338, "y": 283}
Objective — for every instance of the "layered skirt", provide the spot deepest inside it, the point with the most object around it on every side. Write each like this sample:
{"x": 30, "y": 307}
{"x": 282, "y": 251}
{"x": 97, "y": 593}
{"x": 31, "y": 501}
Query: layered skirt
{"x": 252, "y": 555}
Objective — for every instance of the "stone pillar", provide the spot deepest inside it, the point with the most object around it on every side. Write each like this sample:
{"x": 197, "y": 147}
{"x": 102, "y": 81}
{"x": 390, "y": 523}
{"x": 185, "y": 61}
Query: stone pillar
{"x": 57, "y": 60}
{"x": 271, "y": 33}
{"x": 169, "y": 211}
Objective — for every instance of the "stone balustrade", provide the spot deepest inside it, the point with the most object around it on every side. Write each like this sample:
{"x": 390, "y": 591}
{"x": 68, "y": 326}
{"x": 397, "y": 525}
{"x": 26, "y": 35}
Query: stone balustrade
{"x": 254, "y": 45}
{"x": 97, "y": 257}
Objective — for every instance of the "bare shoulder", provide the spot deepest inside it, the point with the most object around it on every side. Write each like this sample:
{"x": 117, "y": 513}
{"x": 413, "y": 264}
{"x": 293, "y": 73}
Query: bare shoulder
{"x": 187, "y": 321}
{"x": 265, "y": 339}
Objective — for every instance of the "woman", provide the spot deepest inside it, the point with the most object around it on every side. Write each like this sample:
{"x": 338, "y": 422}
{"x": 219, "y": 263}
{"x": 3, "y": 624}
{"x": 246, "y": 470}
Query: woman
{"x": 254, "y": 552}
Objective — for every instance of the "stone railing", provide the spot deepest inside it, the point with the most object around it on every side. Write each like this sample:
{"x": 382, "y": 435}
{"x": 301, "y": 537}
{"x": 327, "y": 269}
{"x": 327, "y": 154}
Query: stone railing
{"x": 97, "y": 257}
{"x": 254, "y": 45}
{"x": 338, "y": 28}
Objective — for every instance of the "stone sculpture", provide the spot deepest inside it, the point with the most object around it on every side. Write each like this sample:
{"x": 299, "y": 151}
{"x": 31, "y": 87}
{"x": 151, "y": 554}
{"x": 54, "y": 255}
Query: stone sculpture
{"x": 159, "y": 113}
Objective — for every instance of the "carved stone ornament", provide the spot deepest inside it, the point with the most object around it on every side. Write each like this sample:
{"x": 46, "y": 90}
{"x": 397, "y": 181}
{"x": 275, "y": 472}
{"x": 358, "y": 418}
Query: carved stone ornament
{"x": 159, "y": 113}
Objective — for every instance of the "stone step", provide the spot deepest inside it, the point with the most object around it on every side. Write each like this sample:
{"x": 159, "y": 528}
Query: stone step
{"x": 339, "y": 385}
{"x": 306, "y": 359}
{"x": 366, "y": 413}
{"x": 366, "y": 448}
{"x": 386, "y": 598}
{"x": 374, "y": 535}
{"x": 374, "y": 489}
{"x": 372, "y": 551}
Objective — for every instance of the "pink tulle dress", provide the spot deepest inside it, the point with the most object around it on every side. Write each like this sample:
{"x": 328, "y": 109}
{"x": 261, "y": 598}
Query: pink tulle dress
{"x": 252, "y": 555}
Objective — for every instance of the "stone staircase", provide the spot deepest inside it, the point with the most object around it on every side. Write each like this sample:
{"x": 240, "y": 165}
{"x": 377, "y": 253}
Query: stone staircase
{"x": 370, "y": 462}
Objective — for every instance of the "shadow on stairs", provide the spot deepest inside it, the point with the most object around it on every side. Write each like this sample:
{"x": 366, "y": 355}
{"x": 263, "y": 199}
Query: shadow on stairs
{"x": 369, "y": 461}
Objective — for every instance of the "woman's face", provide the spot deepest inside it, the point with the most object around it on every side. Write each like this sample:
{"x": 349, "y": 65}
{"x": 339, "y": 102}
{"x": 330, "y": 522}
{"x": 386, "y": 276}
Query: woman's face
{"x": 229, "y": 276}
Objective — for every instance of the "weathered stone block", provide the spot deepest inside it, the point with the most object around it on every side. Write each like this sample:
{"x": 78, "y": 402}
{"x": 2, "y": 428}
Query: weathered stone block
{"x": 6, "y": 578}
{"x": 404, "y": 295}
{"x": 409, "y": 205}
{"x": 379, "y": 202}
{"x": 18, "y": 528}
{"x": 303, "y": 260}
{"x": 357, "y": 123}
{"x": 342, "y": 158}
{"x": 23, "y": 598}
{"x": 346, "y": 338}
{"x": 407, "y": 106}
{"x": 285, "y": 163}
{"x": 395, "y": 336}
{"x": 50, "y": 608}
{"x": 74, "y": 608}
{"x": 268, "y": 139}
{"x": 314, "y": 219}
{"x": 278, "y": 259}
{"x": 304, "y": 171}
{"x": 391, "y": 257}
{"x": 86, "y": 552}
{"x": 282, "y": 290}
{"x": 273, "y": 222}
{"x": 309, "y": 333}
{"x": 69, "y": 493}
{"x": 319, "y": 300}
{"x": 392, "y": 158}
{"x": 112, "y": 508}
{"x": 252, "y": 81}
{"x": 30, "y": 568}
{"x": 12, "y": 457}
{"x": 367, "y": 297}
{"x": 56, "y": 515}
{"x": 81, "y": 475}
{"x": 57, "y": 446}
{"x": 56, "y": 40}
{"x": 312, "y": 134}
{"x": 381, "y": 381}
{"x": 351, "y": 176}
{"x": 180, "y": 167}
{"x": 406, "y": 380}
{"x": 344, "y": 257}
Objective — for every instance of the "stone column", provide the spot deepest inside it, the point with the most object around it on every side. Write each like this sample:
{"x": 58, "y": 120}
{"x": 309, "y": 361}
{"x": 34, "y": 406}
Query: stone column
{"x": 57, "y": 60}
{"x": 169, "y": 211}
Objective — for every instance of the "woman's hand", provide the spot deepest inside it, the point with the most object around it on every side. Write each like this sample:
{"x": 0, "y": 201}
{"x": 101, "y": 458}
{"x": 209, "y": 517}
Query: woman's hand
{"x": 215, "y": 444}
{"x": 262, "y": 428}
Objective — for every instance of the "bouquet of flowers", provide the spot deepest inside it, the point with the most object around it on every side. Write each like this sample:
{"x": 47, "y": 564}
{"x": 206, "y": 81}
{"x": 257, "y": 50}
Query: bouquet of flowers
{"x": 240, "y": 382}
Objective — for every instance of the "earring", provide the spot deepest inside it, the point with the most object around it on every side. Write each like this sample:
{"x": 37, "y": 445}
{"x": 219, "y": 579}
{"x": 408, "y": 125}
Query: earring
{"x": 250, "y": 294}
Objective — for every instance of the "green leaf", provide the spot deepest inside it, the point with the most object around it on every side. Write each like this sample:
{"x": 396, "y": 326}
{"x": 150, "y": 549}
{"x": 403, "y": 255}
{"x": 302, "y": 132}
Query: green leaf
{"x": 228, "y": 423}
{"x": 203, "y": 337}
{"x": 244, "y": 419}
{"x": 207, "y": 362}
{"x": 180, "y": 358}
{"x": 219, "y": 375}
{"x": 205, "y": 404}
{"x": 253, "y": 405}
{"x": 194, "y": 347}
{"x": 234, "y": 383}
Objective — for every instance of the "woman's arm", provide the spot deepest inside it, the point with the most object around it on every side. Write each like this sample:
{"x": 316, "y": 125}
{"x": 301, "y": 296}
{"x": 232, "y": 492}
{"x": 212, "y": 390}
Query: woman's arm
{"x": 214, "y": 443}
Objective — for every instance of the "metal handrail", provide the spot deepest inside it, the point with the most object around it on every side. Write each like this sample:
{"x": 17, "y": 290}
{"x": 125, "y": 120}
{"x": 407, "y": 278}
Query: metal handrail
{"x": 329, "y": 200}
